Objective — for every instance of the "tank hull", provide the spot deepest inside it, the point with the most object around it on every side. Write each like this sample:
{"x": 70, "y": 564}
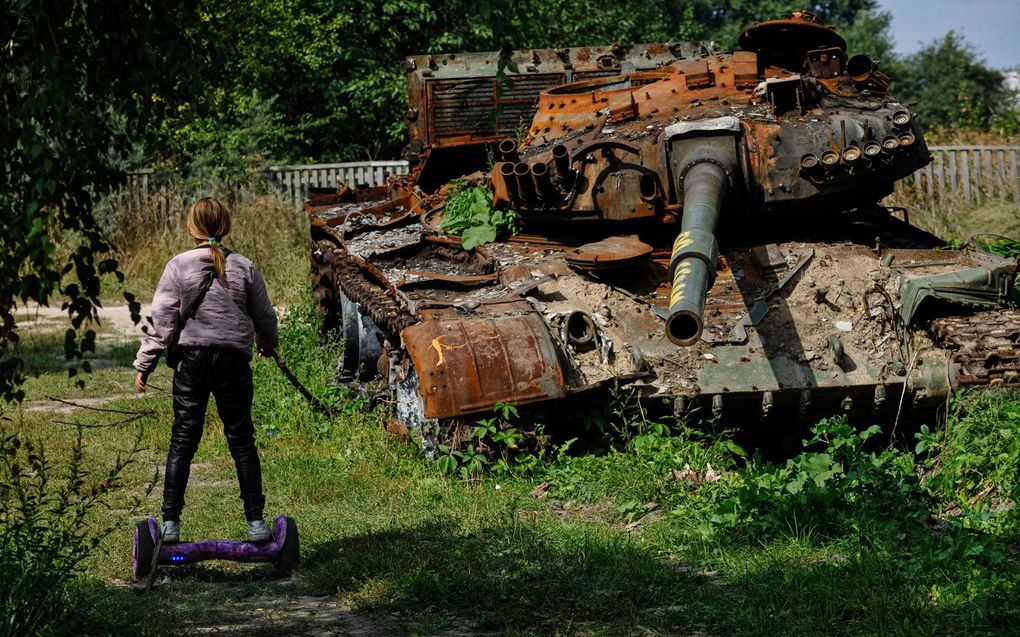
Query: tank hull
{"x": 801, "y": 322}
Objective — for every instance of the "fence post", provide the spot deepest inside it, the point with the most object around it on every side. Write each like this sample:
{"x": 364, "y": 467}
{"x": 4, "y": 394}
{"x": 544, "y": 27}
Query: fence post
{"x": 940, "y": 171}
{"x": 953, "y": 156}
{"x": 965, "y": 177}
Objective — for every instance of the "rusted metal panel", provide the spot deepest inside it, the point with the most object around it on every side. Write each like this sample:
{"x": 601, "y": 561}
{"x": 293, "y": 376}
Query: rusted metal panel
{"x": 608, "y": 253}
{"x": 745, "y": 70}
{"x": 466, "y": 365}
{"x": 453, "y": 98}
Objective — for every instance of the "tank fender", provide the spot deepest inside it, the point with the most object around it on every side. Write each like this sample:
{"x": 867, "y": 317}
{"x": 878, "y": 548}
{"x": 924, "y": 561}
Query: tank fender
{"x": 466, "y": 365}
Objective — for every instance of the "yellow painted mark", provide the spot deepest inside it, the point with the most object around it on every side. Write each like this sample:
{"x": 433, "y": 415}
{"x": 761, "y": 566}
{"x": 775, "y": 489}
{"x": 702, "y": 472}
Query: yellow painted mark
{"x": 439, "y": 346}
{"x": 682, "y": 241}
{"x": 679, "y": 278}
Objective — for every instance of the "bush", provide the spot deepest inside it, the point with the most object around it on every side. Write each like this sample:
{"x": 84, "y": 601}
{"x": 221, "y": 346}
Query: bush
{"x": 843, "y": 488}
{"x": 973, "y": 463}
{"x": 949, "y": 528}
{"x": 46, "y": 533}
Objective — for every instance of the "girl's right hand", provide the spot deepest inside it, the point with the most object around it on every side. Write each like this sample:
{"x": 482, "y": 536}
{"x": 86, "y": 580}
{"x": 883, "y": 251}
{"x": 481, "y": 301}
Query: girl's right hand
{"x": 140, "y": 381}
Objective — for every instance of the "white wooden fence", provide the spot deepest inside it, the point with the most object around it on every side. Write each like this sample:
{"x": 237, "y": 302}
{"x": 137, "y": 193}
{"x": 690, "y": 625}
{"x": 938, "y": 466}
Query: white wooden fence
{"x": 962, "y": 176}
{"x": 294, "y": 181}
{"x": 150, "y": 187}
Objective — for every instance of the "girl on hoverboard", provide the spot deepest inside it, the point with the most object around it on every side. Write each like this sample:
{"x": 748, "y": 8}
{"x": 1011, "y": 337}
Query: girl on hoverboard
{"x": 210, "y": 305}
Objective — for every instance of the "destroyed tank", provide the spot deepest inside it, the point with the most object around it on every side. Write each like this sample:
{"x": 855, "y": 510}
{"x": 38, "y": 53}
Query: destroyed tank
{"x": 703, "y": 229}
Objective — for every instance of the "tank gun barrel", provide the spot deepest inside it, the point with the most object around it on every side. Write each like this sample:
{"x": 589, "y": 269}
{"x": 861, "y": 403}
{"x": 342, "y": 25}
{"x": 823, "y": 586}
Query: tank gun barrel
{"x": 693, "y": 261}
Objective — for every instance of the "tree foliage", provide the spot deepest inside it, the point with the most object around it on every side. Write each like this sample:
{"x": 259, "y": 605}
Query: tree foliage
{"x": 326, "y": 75}
{"x": 954, "y": 88}
{"x": 79, "y": 82}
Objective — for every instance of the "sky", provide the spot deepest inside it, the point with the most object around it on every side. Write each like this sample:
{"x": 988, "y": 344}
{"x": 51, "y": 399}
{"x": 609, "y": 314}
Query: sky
{"x": 992, "y": 26}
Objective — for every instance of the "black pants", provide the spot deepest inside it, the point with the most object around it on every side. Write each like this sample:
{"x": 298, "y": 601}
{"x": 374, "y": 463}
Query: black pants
{"x": 226, "y": 375}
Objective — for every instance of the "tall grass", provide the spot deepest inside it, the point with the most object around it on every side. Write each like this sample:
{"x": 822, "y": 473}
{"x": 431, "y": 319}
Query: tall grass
{"x": 47, "y": 531}
{"x": 147, "y": 229}
{"x": 998, "y": 216}
{"x": 967, "y": 136}
{"x": 952, "y": 217}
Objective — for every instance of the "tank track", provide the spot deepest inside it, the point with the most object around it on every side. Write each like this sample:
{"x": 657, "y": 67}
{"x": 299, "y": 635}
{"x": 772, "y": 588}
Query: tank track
{"x": 986, "y": 345}
{"x": 375, "y": 301}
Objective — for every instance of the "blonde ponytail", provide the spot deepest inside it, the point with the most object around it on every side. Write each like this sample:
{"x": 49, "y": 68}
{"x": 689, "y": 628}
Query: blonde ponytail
{"x": 219, "y": 261}
{"x": 208, "y": 223}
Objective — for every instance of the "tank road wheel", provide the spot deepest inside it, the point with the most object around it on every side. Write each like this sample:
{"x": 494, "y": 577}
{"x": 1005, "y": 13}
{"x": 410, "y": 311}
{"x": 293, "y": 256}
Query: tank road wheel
{"x": 290, "y": 553}
{"x": 141, "y": 553}
{"x": 410, "y": 407}
{"x": 362, "y": 343}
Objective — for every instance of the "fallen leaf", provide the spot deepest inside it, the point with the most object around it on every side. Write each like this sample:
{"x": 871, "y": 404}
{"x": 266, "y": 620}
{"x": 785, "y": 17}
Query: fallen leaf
{"x": 541, "y": 491}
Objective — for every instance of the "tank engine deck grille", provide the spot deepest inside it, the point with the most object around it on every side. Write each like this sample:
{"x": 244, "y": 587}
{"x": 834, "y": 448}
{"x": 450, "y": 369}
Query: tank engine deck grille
{"x": 461, "y": 108}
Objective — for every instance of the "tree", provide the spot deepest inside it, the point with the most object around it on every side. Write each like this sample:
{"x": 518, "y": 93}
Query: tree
{"x": 870, "y": 32}
{"x": 80, "y": 83}
{"x": 330, "y": 68}
{"x": 725, "y": 21}
{"x": 952, "y": 86}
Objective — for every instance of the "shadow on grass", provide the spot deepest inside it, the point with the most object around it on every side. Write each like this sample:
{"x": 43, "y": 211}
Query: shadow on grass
{"x": 528, "y": 577}
{"x": 595, "y": 581}
{"x": 504, "y": 578}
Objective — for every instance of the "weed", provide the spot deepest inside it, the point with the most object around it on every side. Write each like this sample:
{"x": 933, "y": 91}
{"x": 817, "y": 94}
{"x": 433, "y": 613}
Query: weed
{"x": 469, "y": 214}
{"x": 643, "y": 458}
{"x": 973, "y": 462}
{"x": 841, "y": 488}
{"x": 499, "y": 446}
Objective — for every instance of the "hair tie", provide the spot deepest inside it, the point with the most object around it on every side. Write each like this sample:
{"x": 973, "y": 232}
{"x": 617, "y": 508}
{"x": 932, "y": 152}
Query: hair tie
{"x": 213, "y": 241}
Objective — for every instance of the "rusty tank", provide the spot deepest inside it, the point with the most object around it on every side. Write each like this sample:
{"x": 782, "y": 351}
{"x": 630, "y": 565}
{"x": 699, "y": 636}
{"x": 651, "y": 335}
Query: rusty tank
{"x": 701, "y": 228}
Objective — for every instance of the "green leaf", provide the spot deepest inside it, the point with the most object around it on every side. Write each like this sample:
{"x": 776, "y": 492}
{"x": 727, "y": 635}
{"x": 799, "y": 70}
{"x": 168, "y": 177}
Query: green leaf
{"x": 478, "y": 235}
{"x": 447, "y": 464}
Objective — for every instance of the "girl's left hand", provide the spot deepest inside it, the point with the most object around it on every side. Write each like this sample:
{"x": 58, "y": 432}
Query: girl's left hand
{"x": 140, "y": 380}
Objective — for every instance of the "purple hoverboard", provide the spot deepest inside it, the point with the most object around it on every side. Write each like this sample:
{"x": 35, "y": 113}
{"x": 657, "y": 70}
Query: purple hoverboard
{"x": 281, "y": 551}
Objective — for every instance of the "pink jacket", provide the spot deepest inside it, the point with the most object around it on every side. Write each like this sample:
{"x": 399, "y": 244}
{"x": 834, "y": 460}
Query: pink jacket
{"x": 229, "y": 316}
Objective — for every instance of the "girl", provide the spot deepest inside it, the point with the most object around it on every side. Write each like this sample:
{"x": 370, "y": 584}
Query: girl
{"x": 215, "y": 303}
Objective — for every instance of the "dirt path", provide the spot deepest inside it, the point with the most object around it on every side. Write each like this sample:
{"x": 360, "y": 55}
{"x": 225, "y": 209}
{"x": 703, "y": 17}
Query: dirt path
{"x": 115, "y": 318}
{"x": 305, "y": 615}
